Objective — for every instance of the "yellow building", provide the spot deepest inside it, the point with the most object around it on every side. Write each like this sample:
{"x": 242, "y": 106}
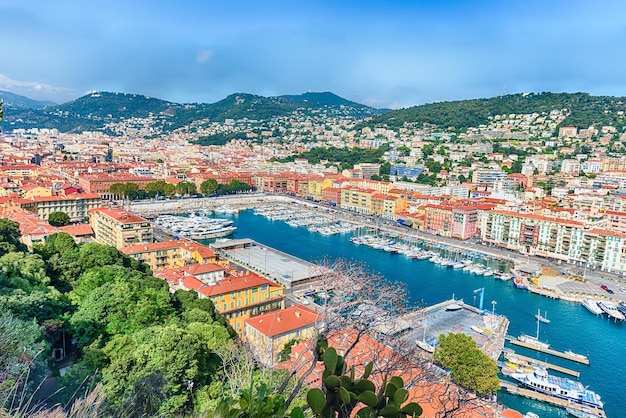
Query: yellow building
{"x": 119, "y": 228}
{"x": 236, "y": 294}
{"x": 37, "y": 191}
{"x": 316, "y": 185}
{"x": 76, "y": 206}
{"x": 170, "y": 254}
{"x": 384, "y": 206}
{"x": 357, "y": 200}
{"x": 267, "y": 334}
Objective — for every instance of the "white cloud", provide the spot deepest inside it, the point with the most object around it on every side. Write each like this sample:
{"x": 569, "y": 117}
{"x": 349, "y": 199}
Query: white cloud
{"x": 204, "y": 56}
{"x": 38, "y": 91}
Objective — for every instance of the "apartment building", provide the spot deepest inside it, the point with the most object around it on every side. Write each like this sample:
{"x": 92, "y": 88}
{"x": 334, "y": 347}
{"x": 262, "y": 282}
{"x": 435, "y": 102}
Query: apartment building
{"x": 170, "y": 254}
{"x": 120, "y": 228}
{"x": 76, "y": 206}
{"x": 566, "y": 240}
{"x": 268, "y": 333}
{"x": 101, "y": 182}
{"x": 357, "y": 200}
{"x": 236, "y": 294}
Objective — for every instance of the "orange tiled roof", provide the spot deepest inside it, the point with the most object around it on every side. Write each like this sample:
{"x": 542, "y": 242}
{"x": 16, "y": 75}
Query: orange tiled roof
{"x": 283, "y": 321}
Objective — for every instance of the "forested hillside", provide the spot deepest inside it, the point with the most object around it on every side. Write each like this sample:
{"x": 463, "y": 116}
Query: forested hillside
{"x": 141, "y": 349}
{"x": 584, "y": 110}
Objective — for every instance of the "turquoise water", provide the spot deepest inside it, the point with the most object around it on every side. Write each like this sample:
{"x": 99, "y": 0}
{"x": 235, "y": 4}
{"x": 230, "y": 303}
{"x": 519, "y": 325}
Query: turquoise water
{"x": 571, "y": 327}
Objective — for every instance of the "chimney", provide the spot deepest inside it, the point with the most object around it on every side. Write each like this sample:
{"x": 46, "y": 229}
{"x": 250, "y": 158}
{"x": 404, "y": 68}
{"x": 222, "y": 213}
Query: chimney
{"x": 298, "y": 314}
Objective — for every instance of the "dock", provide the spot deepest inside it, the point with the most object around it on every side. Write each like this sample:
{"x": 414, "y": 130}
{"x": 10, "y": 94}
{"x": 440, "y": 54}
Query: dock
{"x": 567, "y": 356}
{"x": 547, "y": 365}
{"x": 531, "y": 394}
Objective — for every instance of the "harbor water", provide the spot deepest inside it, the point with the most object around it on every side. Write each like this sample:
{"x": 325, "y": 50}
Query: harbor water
{"x": 571, "y": 326}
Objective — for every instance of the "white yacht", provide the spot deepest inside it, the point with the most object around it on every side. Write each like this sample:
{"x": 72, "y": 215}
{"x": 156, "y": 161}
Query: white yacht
{"x": 592, "y": 306}
{"x": 611, "y": 310}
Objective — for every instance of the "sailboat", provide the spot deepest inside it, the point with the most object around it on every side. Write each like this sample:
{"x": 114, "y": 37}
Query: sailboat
{"x": 534, "y": 341}
{"x": 543, "y": 318}
{"x": 423, "y": 344}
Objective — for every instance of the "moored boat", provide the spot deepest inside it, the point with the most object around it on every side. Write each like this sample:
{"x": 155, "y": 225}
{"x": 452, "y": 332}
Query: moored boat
{"x": 543, "y": 318}
{"x": 581, "y": 413}
{"x": 592, "y": 306}
{"x": 519, "y": 282}
{"x": 540, "y": 381}
{"x": 610, "y": 309}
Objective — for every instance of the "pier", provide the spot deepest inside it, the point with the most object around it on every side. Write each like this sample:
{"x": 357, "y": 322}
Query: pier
{"x": 568, "y": 356}
{"x": 547, "y": 365}
{"x": 531, "y": 394}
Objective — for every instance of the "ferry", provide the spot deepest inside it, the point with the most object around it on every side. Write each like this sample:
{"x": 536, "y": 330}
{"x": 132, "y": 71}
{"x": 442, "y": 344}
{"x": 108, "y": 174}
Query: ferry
{"x": 592, "y": 306}
{"x": 559, "y": 387}
{"x": 610, "y": 309}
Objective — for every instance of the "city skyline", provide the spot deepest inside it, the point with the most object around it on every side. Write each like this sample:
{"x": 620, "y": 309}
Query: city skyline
{"x": 392, "y": 54}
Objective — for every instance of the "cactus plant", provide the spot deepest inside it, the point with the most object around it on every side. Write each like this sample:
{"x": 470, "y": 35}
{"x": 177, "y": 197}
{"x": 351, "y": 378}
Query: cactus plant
{"x": 341, "y": 393}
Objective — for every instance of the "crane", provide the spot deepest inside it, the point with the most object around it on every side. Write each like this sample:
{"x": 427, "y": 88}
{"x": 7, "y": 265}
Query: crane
{"x": 481, "y": 292}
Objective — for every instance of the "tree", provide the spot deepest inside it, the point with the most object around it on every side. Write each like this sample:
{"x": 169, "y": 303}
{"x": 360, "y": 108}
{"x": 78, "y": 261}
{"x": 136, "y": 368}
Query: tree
{"x": 10, "y": 237}
{"x": 185, "y": 188}
{"x": 58, "y": 219}
{"x": 209, "y": 187}
{"x": 469, "y": 367}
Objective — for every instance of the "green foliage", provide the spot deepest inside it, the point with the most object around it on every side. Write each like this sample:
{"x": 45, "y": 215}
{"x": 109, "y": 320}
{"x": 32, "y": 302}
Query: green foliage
{"x": 209, "y": 187}
{"x": 342, "y": 392}
{"x": 10, "y": 237}
{"x": 469, "y": 367}
{"x": 58, "y": 219}
{"x": 344, "y": 157}
{"x": 256, "y": 404}
{"x": 21, "y": 342}
{"x": 161, "y": 188}
{"x": 185, "y": 188}
{"x": 585, "y": 111}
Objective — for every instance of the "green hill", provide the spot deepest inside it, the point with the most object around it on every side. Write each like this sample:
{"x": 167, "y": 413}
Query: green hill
{"x": 585, "y": 110}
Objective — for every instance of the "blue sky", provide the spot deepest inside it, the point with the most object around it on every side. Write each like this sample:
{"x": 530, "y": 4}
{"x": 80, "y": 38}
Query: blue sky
{"x": 381, "y": 53}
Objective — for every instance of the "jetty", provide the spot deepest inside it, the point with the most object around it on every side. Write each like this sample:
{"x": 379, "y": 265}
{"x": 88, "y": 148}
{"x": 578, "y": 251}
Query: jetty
{"x": 546, "y": 365}
{"x": 566, "y": 355}
{"x": 563, "y": 403}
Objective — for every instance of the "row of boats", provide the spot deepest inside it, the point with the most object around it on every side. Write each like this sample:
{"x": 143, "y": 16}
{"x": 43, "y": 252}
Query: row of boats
{"x": 298, "y": 217}
{"x": 196, "y": 225}
{"x": 617, "y": 312}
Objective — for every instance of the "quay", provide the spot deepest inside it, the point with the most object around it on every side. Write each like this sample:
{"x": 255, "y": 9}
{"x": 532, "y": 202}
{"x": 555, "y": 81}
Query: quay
{"x": 568, "y": 356}
{"x": 531, "y": 394}
{"x": 547, "y": 365}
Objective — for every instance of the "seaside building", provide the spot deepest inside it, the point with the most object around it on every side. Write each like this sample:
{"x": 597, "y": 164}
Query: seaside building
{"x": 76, "y": 206}
{"x": 120, "y": 228}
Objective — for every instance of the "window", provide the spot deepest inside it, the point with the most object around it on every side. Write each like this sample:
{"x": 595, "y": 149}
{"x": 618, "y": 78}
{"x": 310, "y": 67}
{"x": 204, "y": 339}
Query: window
{"x": 255, "y": 290}
{"x": 264, "y": 287}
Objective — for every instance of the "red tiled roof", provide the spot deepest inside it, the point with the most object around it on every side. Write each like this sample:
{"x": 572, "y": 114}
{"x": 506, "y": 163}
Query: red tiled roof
{"x": 283, "y": 321}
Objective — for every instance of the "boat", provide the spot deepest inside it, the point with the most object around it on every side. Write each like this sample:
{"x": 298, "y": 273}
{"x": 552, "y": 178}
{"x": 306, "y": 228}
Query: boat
{"x": 534, "y": 341}
{"x": 576, "y": 355}
{"x": 480, "y": 330}
{"x": 592, "y": 306}
{"x": 530, "y": 415}
{"x": 611, "y": 310}
{"x": 541, "y": 381}
{"x": 519, "y": 282}
{"x": 425, "y": 346}
{"x": 621, "y": 306}
{"x": 505, "y": 276}
{"x": 543, "y": 318}
{"x": 581, "y": 413}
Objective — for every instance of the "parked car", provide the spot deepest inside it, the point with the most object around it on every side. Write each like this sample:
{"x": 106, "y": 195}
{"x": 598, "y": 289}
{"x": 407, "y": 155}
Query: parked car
{"x": 606, "y": 289}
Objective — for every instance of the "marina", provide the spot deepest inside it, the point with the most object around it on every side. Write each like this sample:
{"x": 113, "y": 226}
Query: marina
{"x": 424, "y": 281}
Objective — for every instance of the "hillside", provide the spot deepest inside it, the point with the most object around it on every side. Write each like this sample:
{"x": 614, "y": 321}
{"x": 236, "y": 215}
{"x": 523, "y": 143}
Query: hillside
{"x": 97, "y": 111}
{"x": 584, "y": 111}
{"x": 12, "y": 100}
